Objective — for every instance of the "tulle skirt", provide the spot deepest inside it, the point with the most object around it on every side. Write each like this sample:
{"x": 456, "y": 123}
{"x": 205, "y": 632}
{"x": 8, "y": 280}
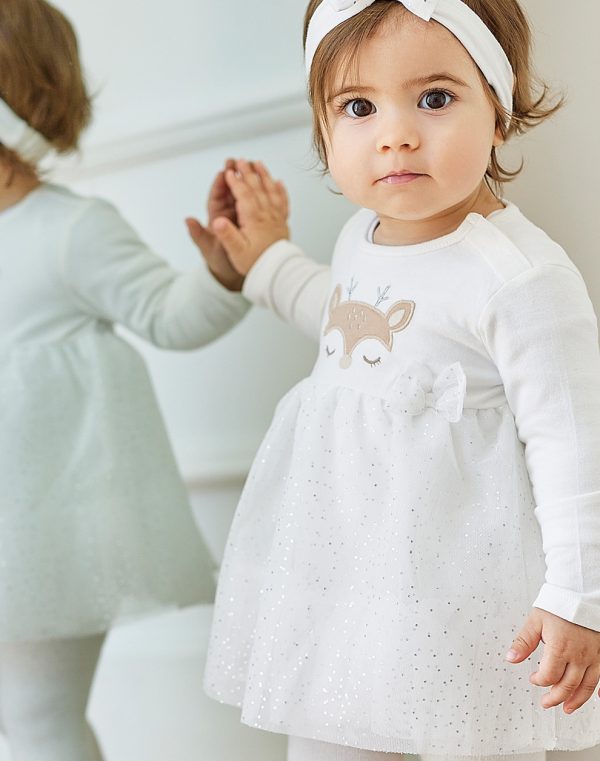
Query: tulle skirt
{"x": 379, "y": 565}
{"x": 95, "y": 523}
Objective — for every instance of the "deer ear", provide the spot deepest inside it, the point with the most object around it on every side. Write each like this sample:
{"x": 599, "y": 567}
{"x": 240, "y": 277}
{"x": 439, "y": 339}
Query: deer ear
{"x": 336, "y": 297}
{"x": 399, "y": 315}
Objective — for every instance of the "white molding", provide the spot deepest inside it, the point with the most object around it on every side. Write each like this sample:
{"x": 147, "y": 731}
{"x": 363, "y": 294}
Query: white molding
{"x": 201, "y": 469}
{"x": 263, "y": 118}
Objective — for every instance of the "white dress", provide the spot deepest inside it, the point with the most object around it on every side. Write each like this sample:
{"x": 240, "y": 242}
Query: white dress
{"x": 95, "y": 524}
{"x": 435, "y": 476}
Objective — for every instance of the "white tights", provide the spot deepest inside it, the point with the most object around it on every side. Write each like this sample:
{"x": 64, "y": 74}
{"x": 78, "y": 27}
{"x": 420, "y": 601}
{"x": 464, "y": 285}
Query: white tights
{"x": 44, "y": 690}
{"x": 300, "y": 749}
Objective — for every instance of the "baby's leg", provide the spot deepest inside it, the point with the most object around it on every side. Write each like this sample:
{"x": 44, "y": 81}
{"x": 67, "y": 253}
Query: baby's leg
{"x": 540, "y": 756}
{"x": 300, "y": 749}
{"x": 591, "y": 754}
{"x": 44, "y": 690}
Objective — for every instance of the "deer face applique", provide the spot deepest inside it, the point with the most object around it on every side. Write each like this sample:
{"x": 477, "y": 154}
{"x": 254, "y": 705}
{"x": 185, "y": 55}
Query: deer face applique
{"x": 358, "y": 321}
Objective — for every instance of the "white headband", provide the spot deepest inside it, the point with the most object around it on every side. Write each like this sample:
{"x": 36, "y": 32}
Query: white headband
{"x": 455, "y": 15}
{"x": 20, "y": 137}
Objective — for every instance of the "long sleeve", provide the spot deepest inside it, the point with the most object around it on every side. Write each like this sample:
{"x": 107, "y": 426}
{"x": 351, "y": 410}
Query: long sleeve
{"x": 114, "y": 276}
{"x": 290, "y": 284}
{"x": 541, "y": 332}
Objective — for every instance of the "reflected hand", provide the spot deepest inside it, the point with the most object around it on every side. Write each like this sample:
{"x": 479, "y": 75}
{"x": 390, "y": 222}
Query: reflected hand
{"x": 570, "y": 664}
{"x": 221, "y": 205}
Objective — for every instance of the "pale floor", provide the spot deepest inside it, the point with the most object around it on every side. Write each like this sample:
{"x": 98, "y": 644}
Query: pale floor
{"x": 148, "y": 702}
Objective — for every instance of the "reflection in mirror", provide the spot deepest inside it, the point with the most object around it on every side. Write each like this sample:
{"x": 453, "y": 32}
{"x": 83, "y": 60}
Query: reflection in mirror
{"x": 98, "y": 533}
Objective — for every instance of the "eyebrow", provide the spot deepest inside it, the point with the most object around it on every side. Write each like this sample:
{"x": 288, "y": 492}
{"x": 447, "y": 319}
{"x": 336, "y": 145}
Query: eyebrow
{"x": 407, "y": 84}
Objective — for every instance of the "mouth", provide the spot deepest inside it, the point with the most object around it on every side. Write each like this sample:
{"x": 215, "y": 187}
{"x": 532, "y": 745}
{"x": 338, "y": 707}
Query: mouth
{"x": 400, "y": 177}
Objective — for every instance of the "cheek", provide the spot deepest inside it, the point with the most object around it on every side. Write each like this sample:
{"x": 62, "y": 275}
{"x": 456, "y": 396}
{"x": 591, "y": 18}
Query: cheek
{"x": 470, "y": 153}
{"x": 338, "y": 156}
{"x": 342, "y": 173}
{"x": 348, "y": 161}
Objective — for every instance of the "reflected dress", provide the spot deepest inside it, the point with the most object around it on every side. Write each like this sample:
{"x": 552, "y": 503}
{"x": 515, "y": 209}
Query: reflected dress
{"x": 95, "y": 523}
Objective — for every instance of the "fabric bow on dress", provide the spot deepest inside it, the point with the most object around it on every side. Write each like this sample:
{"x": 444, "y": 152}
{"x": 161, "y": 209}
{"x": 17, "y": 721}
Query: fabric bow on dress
{"x": 411, "y": 395}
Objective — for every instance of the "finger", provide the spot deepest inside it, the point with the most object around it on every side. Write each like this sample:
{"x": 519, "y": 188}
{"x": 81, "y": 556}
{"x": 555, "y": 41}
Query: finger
{"x": 551, "y": 671}
{"x": 232, "y": 239}
{"x": 229, "y": 166}
{"x": 248, "y": 171}
{"x": 248, "y": 208}
{"x": 526, "y": 641}
{"x": 219, "y": 191}
{"x": 221, "y": 201}
{"x": 202, "y": 237}
{"x": 253, "y": 180}
{"x": 240, "y": 189}
{"x": 275, "y": 191}
{"x": 585, "y": 690}
{"x": 285, "y": 199}
{"x": 566, "y": 687}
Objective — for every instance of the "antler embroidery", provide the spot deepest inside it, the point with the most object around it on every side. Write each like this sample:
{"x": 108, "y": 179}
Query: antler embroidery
{"x": 357, "y": 321}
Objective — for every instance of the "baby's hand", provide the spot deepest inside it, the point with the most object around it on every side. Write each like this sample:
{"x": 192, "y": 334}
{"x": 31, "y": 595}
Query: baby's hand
{"x": 570, "y": 663}
{"x": 221, "y": 204}
{"x": 262, "y": 210}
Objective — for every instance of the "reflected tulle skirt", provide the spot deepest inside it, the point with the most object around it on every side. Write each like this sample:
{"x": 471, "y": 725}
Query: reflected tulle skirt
{"x": 95, "y": 524}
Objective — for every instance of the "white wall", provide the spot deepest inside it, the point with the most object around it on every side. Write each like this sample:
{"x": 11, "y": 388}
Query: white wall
{"x": 166, "y": 76}
{"x": 177, "y": 76}
{"x": 157, "y": 63}
{"x": 559, "y": 188}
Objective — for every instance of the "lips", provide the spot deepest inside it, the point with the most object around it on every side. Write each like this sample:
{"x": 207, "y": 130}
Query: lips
{"x": 400, "y": 173}
{"x": 400, "y": 178}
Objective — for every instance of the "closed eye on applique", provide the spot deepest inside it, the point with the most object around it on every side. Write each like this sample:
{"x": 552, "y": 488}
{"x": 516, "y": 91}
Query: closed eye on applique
{"x": 329, "y": 352}
{"x": 372, "y": 362}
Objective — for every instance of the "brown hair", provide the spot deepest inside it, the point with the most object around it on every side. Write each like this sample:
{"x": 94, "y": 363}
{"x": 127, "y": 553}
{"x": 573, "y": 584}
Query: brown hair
{"x": 40, "y": 75}
{"x": 507, "y": 22}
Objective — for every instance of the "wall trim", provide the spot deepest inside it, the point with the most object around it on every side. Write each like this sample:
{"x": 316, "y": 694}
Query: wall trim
{"x": 250, "y": 121}
{"x": 202, "y": 468}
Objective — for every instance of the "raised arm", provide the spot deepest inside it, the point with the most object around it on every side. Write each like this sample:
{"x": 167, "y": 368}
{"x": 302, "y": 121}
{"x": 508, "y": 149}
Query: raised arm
{"x": 114, "y": 276}
{"x": 293, "y": 286}
{"x": 278, "y": 274}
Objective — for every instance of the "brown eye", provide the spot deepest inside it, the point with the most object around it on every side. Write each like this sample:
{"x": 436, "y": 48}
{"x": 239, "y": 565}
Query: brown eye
{"x": 359, "y": 108}
{"x": 436, "y": 100}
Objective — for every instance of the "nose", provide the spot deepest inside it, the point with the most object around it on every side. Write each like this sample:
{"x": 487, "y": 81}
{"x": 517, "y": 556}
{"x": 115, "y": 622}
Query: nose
{"x": 397, "y": 132}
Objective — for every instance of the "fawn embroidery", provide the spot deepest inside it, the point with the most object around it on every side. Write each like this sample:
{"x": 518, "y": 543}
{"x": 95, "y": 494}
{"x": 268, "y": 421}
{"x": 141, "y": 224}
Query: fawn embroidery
{"x": 357, "y": 321}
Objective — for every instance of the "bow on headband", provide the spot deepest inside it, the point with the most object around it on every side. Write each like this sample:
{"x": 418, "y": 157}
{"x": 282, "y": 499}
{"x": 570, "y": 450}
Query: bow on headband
{"x": 455, "y": 15}
{"x": 20, "y": 137}
{"x": 422, "y": 8}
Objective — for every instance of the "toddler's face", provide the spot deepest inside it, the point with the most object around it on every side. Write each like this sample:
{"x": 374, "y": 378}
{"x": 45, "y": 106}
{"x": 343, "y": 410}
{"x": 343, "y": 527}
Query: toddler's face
{"x": 404, "y": 112}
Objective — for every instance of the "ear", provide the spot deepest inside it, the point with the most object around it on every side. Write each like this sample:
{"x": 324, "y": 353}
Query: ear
{"x": 400, "y": 314}
{"x": 336, "y": 297}
{"x": 498, "y": 139}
